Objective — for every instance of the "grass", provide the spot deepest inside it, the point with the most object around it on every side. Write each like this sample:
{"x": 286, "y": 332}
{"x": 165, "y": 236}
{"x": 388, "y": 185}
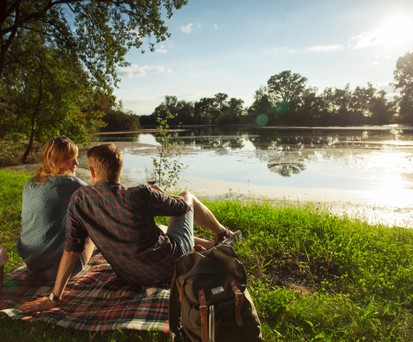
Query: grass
{"x": 313, "y": 276}
{"x": 11, "y": 187}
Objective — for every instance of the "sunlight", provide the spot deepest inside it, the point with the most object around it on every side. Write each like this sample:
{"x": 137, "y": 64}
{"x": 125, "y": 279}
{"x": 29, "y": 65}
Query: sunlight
{"x": 395, "y": 32}
{"x": 390, "y": 188}
{"x": 391, "y": 192}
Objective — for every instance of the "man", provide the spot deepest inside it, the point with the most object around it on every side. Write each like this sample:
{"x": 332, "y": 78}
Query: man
{"x": 121, "y": 223}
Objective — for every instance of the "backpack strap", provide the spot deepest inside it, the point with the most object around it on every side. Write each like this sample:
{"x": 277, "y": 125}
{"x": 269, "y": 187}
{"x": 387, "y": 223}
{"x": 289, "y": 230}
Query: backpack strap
{"x": 239, "y": 299}
{"x": 174, "y": 315}
{"x": 181, "y": 290}
{"x": 203, "y": 309}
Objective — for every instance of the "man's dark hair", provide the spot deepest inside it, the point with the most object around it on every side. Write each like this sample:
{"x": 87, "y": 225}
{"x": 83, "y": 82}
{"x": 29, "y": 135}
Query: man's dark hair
{"x": 107, "y": 161}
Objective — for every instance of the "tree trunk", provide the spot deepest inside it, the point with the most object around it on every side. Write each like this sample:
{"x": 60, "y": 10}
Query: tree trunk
{"x": 31, "y": 140}
{"x": 34, "y": 117}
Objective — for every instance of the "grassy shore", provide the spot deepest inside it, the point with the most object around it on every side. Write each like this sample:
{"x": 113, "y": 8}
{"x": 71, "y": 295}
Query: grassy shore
{"x": 313, "y": 276}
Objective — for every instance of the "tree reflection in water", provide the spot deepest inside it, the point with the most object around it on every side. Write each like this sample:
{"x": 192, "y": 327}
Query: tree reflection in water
{"x": 286, "y": 151}
{"x": 286, "y": 164}
{"x": 282, "y": 147}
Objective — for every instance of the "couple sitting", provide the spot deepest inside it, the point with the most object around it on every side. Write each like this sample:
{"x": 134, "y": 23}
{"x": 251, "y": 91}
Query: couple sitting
{"x": 118, "y": 221}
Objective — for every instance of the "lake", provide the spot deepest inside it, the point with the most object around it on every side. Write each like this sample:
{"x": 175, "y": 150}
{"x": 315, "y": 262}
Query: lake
{"x": 363, "y": 171}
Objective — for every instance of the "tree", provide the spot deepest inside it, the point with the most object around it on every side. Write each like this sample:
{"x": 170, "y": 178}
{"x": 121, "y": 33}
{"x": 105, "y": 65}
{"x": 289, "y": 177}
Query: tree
{"x": 45, "y": 98}
{"x": 118, "y": 121}
{"x": 361, "y": 99}
{"x": 381, "y": 110}
{"x": 57, "y": 57}
{"x": 311, "y": 111}
{"x": 97, "y": 33}
{"x": 368, "y": 105}
{"x": 287, "y": 89}
{"x": 236, "y": 109}
{"x": 185, "y": 112}
{"x": 182, "y": 111}
{"x": 337, "y": 104}
{"x": 403, "y": 76}
{"x": 168, "y": 106}
{"x": 262, "y": 107}
{"x": 227, "y": 111}
{"x": 205, "y": 111}
{"x": 218, "y": 110}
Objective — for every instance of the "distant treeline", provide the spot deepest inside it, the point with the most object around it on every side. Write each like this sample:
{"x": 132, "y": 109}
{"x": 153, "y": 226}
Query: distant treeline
{"x": 287, "y": 100}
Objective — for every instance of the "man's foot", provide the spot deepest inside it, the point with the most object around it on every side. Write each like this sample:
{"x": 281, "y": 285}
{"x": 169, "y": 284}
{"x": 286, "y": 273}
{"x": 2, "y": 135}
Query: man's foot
{"x": 234, "y": 238}
{"x": 222, "y": 237}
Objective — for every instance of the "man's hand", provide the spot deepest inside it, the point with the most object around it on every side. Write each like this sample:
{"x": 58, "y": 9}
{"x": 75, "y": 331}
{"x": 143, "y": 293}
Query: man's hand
{"x": 154, "y": 186}
{"x": 39, "y": 304}
{"x": 67, "y": 264}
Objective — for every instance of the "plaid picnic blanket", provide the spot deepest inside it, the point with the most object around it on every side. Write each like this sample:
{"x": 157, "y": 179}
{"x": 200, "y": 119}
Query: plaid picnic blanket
{"x": 95, "y": 300}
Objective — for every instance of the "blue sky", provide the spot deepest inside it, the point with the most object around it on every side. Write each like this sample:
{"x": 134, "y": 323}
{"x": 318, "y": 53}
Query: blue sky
{"x": 235, "y": 46}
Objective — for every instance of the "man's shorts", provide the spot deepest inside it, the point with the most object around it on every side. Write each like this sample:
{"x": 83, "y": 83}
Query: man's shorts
{"x": 181, "y": 229}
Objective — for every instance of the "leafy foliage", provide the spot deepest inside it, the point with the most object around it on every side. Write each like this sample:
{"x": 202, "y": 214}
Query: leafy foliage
{"x": 287, "y": 87}
{"x": 46, "y": 100}
{"x": 119, "y": 121}
{"x": 97, "y": 33}
{"x": 58, "y": 59}
{"x": 286, "y": 100}
{"x": 166, "y": 164}
{"x": 403, "y": 76}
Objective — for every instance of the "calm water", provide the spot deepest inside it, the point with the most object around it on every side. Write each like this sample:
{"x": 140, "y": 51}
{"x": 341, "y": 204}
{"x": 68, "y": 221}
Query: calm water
{"x": 367, "y": 167}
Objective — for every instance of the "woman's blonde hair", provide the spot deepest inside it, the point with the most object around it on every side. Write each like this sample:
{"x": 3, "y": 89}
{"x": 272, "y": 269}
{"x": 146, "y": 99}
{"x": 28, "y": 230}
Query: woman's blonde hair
{"x": 55, "y": 152}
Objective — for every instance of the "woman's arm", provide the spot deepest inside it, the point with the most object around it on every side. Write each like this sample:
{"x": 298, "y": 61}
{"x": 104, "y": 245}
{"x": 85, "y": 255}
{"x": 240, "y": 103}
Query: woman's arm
{"x": 66, "y": 267}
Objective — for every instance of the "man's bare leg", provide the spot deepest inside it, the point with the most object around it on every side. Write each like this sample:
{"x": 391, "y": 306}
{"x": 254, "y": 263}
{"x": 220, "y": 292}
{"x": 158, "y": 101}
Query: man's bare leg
{"x": 203, "y": 217}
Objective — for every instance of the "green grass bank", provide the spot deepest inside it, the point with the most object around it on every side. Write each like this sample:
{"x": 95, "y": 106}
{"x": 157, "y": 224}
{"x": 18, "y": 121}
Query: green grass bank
{"x": 313, "y": 276}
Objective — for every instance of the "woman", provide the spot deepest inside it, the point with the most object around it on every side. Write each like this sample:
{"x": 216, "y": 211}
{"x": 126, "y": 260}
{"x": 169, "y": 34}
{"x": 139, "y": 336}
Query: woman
{"x": 45, "y": 200}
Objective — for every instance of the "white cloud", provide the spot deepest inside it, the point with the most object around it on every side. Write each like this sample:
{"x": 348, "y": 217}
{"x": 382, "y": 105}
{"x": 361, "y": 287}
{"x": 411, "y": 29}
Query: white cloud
{"x": 136, "y": 70}
{"x": 160, "y": 70}
{"x": 313, "y": 49}
{"x": 216, "y": 27}
{"x": 325, "y": 48}
{"x": 281, "y": 51}
{"x": 186, "y": 28}
{"x": 161, "y": 49}
{"x": 366, "y": 39}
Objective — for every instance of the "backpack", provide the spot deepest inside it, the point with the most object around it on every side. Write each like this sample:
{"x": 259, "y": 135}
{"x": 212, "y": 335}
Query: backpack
{"x": 209, "y": 300}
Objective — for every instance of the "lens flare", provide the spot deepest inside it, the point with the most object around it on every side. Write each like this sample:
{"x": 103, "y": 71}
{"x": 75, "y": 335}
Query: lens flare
{"x": 262, "y": 120}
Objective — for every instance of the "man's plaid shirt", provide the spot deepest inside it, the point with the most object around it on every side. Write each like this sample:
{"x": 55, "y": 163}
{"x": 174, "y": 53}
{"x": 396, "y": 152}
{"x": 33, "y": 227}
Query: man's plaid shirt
{"x": 121, "y": 224}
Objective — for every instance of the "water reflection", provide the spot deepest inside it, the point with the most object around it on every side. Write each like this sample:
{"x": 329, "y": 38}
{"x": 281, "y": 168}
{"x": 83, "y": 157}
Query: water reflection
{"x": 374, "y": 164}
{"x": 284, "y": 147}
{"x": 286, "y": 151}
{"x": 286, "y": 163}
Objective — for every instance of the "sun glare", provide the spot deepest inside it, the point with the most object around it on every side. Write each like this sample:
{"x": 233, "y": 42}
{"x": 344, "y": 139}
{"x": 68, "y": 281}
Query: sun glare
{"x": 390, "y": 188}
{"x": 395, "y": 32}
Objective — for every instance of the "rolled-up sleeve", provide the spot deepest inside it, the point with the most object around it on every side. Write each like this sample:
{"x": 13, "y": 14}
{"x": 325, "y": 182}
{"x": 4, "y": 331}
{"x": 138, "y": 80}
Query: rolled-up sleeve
{"x": 161, "y": 204}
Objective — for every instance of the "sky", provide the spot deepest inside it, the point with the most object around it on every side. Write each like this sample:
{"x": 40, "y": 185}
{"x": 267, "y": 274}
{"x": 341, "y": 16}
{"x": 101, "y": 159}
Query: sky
{"x": 235, "y": 46}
